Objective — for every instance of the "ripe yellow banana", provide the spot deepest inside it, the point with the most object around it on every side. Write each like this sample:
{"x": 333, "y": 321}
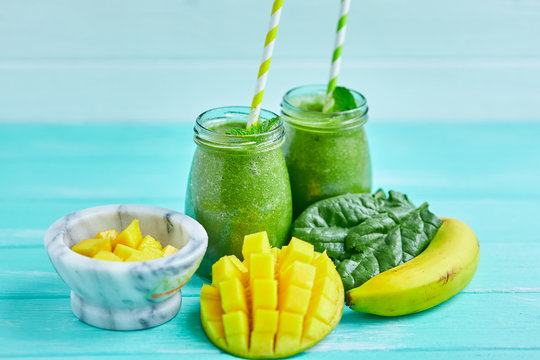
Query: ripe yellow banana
{"x": 443, "y": 269}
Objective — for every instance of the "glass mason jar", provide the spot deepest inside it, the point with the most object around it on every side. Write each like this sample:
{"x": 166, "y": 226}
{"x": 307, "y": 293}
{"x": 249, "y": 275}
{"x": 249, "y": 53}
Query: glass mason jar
{"x": 237, "y": 185}
{"x": 326, "y": 153}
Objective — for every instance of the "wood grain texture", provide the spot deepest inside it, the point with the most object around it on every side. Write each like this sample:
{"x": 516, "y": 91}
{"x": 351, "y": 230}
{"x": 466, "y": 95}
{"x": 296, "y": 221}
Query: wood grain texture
{"x": 104, "y": 61}
{"x": 484, "y": 175}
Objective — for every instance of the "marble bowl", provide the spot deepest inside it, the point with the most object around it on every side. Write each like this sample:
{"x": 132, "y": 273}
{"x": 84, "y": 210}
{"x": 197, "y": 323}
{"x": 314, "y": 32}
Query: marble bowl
{"x": 126, "y": 295}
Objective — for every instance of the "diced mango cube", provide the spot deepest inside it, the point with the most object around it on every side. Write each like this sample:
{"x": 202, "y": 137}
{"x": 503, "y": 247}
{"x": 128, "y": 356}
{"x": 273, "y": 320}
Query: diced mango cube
{"x": 135, "y": 257}
{"x": 261, "y": 266}
{"x": 210, "y": 292}
{"x": 239, "y": 265}
{"x": 257, "y": 243}
{"x": 290, "y": 323}
{"x": 111, "y": 234}
{"x": 264, "y": 294}
{"x": 235, "y": 323}
{"x": 294, "y": 299}
{"x": 238, "y": 343}
{"x": 314, "y": 328}
{"x": 325, "y": 266}
{"x": 233, "y": 295}
{"x": 149, "y": 241}
{"x": 214, "y": 329}
{"x": 151, "y": 253}
{"x": 225, "y": 269}
{"x": 321, "y": 308}
{"x": 299, "y": 274}
{"x": 286, "y": 342}
{"x": 131, "y": 236}
{"x": 297, "y": 250}
{"x": 124, "y": 251}
{"x": 325, "y": 287}
{"x": 91, "y": 247}
{"x": 107, "y": 256}
{"x": 266, "y": 320}
{"x": 262, "y": 343}
{"x": 169, "y": 250}
{"x": 211, "y": 309}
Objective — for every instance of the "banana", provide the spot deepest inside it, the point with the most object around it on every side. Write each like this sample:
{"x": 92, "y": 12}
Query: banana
{"x": 443, "y": 269}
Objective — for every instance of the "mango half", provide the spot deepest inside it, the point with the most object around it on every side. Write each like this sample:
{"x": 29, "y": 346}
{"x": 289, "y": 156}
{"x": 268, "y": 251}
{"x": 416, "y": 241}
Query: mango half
{"x": 274, "y": 304}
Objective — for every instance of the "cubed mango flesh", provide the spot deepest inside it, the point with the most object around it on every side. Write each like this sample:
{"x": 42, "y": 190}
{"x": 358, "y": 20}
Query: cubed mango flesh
{"x": 169, "y": 250}
{"x": 131, "y": 236}
{"x": 106, "y": 256}
{"x": 149, "y": 241}
{"x": 128, "y": 245}
{"x": 276, "y": 303}
{"x": 111, "y": 234}
{"x": 90, "y": 247}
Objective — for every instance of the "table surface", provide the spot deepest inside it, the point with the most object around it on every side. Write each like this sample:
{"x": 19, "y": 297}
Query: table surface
{"x": 485, "y": 175}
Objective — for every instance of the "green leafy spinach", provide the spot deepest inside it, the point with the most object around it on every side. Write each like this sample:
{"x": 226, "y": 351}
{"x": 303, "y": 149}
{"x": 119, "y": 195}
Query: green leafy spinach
{"x": 367, "y": 234}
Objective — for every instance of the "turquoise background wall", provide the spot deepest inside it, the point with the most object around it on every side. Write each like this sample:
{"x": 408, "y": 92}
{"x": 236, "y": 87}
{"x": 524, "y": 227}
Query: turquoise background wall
{"x": 168, "y": 60}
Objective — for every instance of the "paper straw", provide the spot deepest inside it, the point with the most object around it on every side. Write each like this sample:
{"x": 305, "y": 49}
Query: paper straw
{"x": 265, "y": 64}
{"x": 338, "y": 46}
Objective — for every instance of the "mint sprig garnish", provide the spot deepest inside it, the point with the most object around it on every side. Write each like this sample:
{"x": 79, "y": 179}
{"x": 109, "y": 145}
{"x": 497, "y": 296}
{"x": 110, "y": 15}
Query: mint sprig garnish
{"x": 258, "y": 128}
{"x": 342, "y": 100}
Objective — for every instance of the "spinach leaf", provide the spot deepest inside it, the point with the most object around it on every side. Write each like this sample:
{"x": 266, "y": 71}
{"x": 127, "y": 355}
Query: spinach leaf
{"x": 367, "y": 234}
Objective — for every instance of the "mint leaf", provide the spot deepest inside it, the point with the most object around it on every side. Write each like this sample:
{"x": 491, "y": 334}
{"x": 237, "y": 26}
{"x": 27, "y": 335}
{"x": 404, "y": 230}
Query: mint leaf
{"x": 343, "y": 100}
{"x": 367, "y": 234}
{"x": 259, "y": 128}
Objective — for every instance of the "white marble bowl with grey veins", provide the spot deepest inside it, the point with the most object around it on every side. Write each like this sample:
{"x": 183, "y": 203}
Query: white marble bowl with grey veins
{"x": 126, "y": 295}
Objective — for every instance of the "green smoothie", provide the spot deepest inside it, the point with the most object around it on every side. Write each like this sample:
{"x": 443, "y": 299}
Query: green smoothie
{"x": 238, "y": 185}
{"x": 327, "y": 154}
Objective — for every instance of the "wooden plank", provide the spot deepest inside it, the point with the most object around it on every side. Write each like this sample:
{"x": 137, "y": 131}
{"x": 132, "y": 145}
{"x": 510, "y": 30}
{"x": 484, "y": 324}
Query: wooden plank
{"x": 504, "y": 268}
{"x": 465, "y": 155}
{"x": 172, "y": 90}
{"x": 205, "y": 28}
{"x": 59, "y": 333}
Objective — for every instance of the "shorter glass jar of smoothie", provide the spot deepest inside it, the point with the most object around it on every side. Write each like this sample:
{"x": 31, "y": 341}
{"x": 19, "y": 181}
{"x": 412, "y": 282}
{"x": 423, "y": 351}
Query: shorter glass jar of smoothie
{"x": 326, "y": 153}
{"x": 237, "y": 185}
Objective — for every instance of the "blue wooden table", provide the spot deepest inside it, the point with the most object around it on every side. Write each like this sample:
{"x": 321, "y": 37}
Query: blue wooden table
{"x": 485, "y": 175}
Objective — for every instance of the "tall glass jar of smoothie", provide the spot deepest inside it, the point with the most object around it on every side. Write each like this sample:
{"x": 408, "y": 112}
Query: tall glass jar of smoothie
{"x": 326, "y": 153}
{"x": 238, "y": 184}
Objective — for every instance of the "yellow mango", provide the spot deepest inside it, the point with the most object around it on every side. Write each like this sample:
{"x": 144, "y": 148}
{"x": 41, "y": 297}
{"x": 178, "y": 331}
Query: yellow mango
{"x": 124, "y": 251}
{"x": 266, "y": 320}
{"x": 151, "y": 253}
{"x": 235, "y": 322}
{"x": 264, "y": 294}
{"x": 299, "y": 274}
{"x": 91, "y": 247}
{"x": 169, "y": 250}
{"x": 233, "y": 295}
{"x": 131, "y": 236}
{"x": 275, "y": 304}
{"x": 135, "y": 257}
{"x": 225, "y": 269}
{"x": 149, "y": 241}
{"x": 107, "y": 256}
{"x": 294, "y": 299}
{"x": 257, "y": 243}
{"x": 297, "y": 250}
{"x": 262, "y": 343}
{"x": 261, "y": 266}
{"x": 111, "y": 234}
{"x": 214, "y": 330}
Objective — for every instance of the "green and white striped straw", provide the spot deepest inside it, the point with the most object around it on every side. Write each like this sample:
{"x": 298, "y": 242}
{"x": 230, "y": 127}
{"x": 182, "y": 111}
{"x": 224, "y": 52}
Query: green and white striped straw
{"x": 338, "y": 46}
{"x": 265, "y": 64}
